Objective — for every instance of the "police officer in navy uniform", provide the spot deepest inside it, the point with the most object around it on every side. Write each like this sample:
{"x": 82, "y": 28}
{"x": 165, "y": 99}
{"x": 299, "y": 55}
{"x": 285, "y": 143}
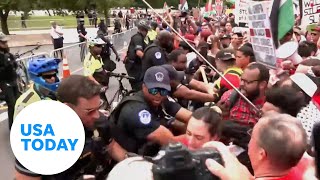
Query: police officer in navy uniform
{"x": 82, "y": 37}
{"x": 156, "y": 53}
{"x": 135, "y": 53}
{"x": 8, "y": 76}
{"x": 83, "y": 96}
{"x": 140, "y": 119}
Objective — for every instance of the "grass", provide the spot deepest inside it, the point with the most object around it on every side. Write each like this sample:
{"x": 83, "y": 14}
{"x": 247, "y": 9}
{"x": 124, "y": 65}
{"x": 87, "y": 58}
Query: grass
{"x": 43, "y": 22}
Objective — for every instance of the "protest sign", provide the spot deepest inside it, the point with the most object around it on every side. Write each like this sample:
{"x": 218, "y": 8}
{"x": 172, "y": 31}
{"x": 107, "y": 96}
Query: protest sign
{"x": 310, "y": 12}
{"x": 260, "y": 33}
{"x": 241, "y": 11}
{"x": 219, "y": 7}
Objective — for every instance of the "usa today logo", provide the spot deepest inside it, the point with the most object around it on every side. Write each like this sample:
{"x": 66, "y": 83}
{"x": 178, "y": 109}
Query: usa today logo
{"x": 47, "y": 137}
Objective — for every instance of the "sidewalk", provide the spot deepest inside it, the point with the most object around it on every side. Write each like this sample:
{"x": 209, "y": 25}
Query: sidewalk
{"x": 32, "y": 37}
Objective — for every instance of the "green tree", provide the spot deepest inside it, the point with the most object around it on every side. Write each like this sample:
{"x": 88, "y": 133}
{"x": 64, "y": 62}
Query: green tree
{"x": 104, "y": 5}
{"x": 13, "y": 5}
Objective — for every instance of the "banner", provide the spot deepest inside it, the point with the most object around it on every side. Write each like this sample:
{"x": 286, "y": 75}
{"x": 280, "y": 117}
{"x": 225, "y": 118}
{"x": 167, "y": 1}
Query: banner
{"x": 241, "y": 12}
{"x": 310, "y": 12}
{"x": 260, "y": 33}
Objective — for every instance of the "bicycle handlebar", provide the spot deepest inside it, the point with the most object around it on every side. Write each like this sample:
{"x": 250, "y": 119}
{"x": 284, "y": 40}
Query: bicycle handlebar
{"x": 29, "y": 51}
{"x": 121, "y": 75}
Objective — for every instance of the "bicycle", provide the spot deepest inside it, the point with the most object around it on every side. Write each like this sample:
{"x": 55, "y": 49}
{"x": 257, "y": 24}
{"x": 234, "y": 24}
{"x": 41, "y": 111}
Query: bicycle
{"x": 120, "y": 93}
{"x": 23, "y": 78}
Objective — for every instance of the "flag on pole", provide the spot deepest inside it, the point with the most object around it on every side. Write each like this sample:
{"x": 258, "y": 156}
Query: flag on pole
{"x": 184, "y": 5}
{"x": 165, "y": 6}
{"x": 282, "y": 19}
{"x": 208, "y": 7}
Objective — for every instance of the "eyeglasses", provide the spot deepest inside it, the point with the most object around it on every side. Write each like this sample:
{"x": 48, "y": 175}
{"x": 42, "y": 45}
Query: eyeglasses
{"x": 249, "y": 82}
{"x": 48, "y": 76}
{"x": 98, "y": 45}
{"x": 155, "y": 91}
{"x": 91, "y": 111}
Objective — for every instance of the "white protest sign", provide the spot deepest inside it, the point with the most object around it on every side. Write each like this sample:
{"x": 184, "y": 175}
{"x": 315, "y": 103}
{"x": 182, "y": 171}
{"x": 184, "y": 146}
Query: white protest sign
{"x": 241, "y": 11}
{"x": 260, "y": 33}
{"x": 310, "y": 12}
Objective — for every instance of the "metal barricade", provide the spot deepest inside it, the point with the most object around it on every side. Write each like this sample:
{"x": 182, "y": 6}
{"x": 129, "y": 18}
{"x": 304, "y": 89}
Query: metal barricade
{"x": 23, "y": 79}
{"x": 74, "y": 55}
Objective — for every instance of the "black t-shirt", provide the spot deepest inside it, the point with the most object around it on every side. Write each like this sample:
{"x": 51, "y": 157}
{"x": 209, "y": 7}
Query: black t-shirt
{"x": 153, "y": 56}
{"x": 102, "y": 125}
{"x": 137, "y": 119}
{"x": 81, "y": 29}
{"x": 8, "y": 66}
{"x": 136, "y": 43}
{"x": 106, "y": 47}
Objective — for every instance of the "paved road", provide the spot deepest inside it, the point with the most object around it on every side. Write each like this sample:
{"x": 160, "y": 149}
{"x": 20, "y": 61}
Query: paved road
{"x": 6, "y": 155}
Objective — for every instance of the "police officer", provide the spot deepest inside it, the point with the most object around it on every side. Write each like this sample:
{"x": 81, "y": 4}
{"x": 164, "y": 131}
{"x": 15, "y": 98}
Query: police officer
{"x": 43, "y": 72}
{"x": 8, "y": 76}
{"x": 109, "y": 65}
{"x": 82, "y": 95}
{"x": 82, "y": 37}
{"x": 102, "y": 27}
{"x": 135, "y": 54}
{"x": 156, "y": 53}
{"x": 139, "y": 119}
{"x": 93, "y": 64}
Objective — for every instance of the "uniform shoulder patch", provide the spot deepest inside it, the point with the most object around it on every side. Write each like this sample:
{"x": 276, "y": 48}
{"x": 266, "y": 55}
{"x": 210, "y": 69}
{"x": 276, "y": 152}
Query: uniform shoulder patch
{"x": 157, "y": 55}
{"x": 145, "y": 117}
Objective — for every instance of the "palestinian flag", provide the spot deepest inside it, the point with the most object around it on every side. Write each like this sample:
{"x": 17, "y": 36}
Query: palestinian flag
{"x": 208, "y": 6}
{"x": 282, "y": 19}
{"x": 184, "y": 5}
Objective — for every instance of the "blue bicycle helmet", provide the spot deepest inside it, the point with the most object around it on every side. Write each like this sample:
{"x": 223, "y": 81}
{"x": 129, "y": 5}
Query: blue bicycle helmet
{"x": 37, "y": 66}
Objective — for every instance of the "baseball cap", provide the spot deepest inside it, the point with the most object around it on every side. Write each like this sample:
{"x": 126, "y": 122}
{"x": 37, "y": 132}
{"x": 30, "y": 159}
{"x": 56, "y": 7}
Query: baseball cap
{"x": 305, "y": 83}
{"x": 173, "y": 73}
{"x": 157, "y": 77}
{"x": 226, "y": 54}
{"x": 226, "y": 36}
{"x": 3, "y": 37}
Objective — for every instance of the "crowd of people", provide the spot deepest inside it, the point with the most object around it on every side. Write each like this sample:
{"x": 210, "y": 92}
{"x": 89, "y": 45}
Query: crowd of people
{"x": 265, "y": 133}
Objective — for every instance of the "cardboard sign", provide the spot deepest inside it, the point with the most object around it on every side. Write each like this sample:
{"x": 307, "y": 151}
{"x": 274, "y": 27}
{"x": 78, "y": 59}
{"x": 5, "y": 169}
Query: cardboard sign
{"x": 241, "y": 11}
{"x": 310, "y": 12}
{"x": 260, "y": 34}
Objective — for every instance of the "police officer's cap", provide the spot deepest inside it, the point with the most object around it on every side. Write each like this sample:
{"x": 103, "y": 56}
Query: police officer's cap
{"x": 157, "y": 77}
{"x": 173, "y": 73}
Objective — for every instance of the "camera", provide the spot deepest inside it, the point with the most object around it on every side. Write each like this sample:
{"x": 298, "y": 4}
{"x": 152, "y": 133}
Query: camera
{"x": 177, "y": 162}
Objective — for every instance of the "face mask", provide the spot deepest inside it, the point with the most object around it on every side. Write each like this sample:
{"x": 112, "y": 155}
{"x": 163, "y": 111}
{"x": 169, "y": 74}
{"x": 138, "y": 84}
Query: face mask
{"x": 210, "y": 46}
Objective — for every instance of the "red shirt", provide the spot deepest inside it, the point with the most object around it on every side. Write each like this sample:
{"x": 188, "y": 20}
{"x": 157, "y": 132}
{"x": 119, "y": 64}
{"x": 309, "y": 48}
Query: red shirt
{"x": 297, "y": 172}
{"x": 242, "y": 111}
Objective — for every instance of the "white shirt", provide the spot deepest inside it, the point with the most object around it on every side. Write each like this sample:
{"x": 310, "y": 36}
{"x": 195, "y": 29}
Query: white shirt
{"x": 55, "y": 35}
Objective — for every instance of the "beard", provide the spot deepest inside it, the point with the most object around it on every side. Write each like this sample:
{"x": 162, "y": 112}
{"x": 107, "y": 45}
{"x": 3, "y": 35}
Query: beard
{"x": 251, "y": 95}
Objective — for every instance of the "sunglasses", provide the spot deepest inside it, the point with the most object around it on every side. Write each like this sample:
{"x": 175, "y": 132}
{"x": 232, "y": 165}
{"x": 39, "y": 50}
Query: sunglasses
{"x": 155, "y": 91}
{"x": 98, "y": 45}
{"x": 48, "y": 76}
